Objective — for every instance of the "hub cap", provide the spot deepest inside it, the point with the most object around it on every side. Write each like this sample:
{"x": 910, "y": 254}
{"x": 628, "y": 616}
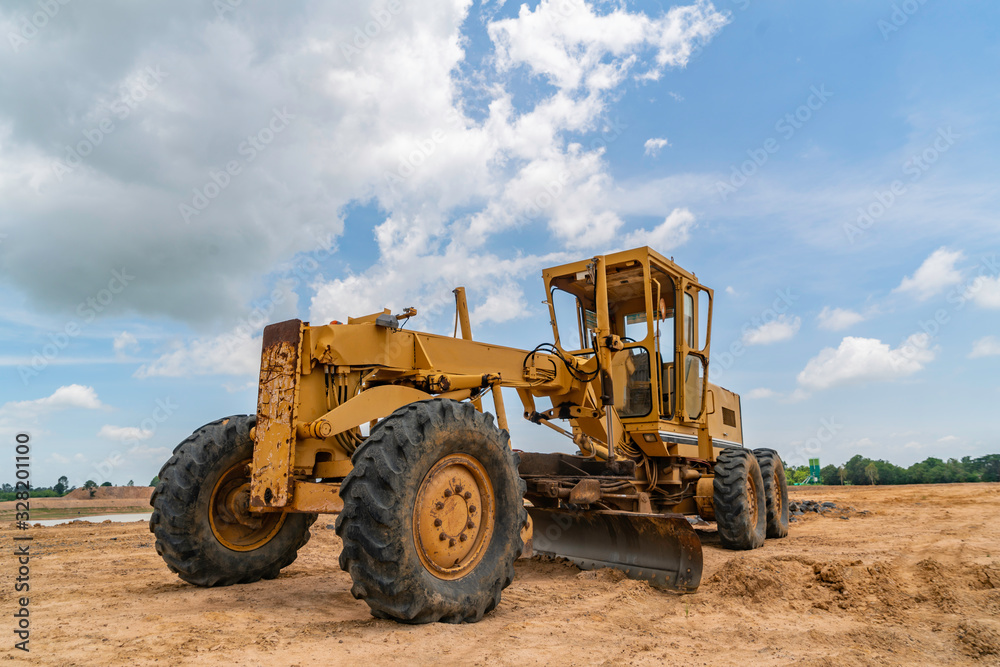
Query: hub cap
{"x": 233, "y": 524}
{"x": 453, "y": 516}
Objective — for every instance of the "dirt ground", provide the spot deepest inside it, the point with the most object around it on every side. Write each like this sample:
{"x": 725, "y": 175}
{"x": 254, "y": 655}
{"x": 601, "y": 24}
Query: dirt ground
{"x": 915, "y": 581}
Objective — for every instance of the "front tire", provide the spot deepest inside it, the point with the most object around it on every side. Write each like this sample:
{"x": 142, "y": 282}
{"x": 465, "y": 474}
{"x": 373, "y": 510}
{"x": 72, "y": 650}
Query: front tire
{"x": 740, "y": 511}
{"x": 772, "y": 471}
{"x": 203, "y": 528}
{"x": 432, "y": 516}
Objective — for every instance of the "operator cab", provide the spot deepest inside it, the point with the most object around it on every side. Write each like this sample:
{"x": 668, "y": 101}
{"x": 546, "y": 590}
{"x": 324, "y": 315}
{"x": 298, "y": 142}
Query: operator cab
{"x": 663, "y": 317}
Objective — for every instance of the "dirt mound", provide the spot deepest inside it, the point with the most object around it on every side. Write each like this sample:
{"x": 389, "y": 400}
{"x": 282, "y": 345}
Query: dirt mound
{"x": 844, "y": 584}
{"x": 112, "y": 492}
{"x": 978, "y": 639}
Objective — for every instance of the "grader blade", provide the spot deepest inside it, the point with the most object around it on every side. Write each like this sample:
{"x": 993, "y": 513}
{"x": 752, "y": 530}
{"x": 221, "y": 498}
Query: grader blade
{"x": 662, "y": 549}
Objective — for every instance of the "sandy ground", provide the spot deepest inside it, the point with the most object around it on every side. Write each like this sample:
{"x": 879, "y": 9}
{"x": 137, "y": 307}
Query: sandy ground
{"x": 916, "y": 581}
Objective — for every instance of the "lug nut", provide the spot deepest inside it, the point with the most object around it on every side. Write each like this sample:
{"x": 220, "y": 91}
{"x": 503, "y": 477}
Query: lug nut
{"x": 447, "y": 493}
{"x": 463, "y": 537}
{"x": 451, "y": 542}
{"x": 472, "y": 509}
{"x": 470, "y": 524}
{"x": 458, "y": 488}
{"x": 439, "y": 505}
{"x": 442, "y": 537}
{"x": 468, "y": 495}
{"x": 437, "y": 523}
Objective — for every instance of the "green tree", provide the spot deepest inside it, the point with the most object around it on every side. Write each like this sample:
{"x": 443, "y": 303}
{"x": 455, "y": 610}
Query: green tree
{"x": 828, "y": 475}
{"x": 855, "y": 469}
{"x": 871, "y": 472}
{"x": 107, "y": 484}
{"x": 155, "y": 480}
{"x": 91, "y": 486}
{"x": 130, "y": 483}
{"x": 61, "y": 486}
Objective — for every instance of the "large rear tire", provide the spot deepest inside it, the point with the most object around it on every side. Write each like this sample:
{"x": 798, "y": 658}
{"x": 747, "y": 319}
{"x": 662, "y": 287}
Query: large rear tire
{"x": 203, "y": 528}
{"x": 740, "y": 510}
{"x": 432, "y": 516}
{"x": 772, "y": 471}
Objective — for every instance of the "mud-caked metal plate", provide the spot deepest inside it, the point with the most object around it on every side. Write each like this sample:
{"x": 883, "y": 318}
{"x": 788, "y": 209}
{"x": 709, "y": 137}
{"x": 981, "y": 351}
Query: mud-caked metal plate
{"x": 662, "y": 549}
{"x": 274, "y": 449}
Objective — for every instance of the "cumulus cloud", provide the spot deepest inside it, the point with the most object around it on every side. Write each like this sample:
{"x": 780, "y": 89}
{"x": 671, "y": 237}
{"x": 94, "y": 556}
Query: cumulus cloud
{"x": 837, "y": 319}
{"x": 985, "y": 292}
{"x": 63, "y": 398}
{"x": 987, "y": 346}
{"x": 858, "y": 360}
{"x": 675, "y": 230}
{"x": 124, "y": 433}
{"x": 935, "y": 275}
{"x": 574, "y": 46}
{"x": 654, "y": 146}
{"x": 781, "y": 328}
{"x": 389, "y": 126}
{"x": 233, "y": 353}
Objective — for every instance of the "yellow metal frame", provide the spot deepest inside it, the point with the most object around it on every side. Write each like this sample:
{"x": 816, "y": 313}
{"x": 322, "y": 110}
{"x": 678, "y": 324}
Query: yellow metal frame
{"x": 319, "y": 384}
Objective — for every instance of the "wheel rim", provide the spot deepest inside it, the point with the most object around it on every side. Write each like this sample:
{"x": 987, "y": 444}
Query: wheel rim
{"x": 233, "y": 524}
{"x": 776, "y": 485}
{"x": 453, "y": 516}
{"x": 752, "y": 497}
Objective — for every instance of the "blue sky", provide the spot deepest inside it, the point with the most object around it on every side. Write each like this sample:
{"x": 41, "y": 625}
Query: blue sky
{"x": 829, "y": 168}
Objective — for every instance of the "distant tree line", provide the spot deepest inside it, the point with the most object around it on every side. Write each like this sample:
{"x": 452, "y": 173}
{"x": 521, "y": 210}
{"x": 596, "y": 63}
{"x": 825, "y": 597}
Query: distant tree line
{"x": 862, "y": 470}
{"x": 59, "y": 489}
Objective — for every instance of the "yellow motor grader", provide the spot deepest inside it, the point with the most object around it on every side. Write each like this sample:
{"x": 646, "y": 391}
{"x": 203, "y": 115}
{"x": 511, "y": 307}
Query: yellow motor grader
{"x": 433, "y": 503}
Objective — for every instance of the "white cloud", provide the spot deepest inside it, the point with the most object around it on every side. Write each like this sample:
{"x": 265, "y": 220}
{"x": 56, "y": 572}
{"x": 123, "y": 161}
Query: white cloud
{"x": 63, "y": 398}
{"x": 761, "y": 392}
{"x": 837, "y": 319}
{"x": 936, "y": 274}
{"x": 125, "y": 343}
{"x": 866, "y": 360}
{"x": 233, "y": 353}
{"x": 781, "y": 328}
{"x": 654, "y": 146}
{"x": 569, "y": 43}
{"x": 123, "y": 433}
{"x": 987, "y": 346}
{"x": 985, "y": 292}
{"x": 730, "y": 291}
{"x": 948, "y": 438}
{"x": 506, "y": 303}
{"x": 675, "y": 230}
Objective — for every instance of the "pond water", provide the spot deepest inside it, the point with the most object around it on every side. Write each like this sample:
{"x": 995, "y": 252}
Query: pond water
{"x": 117, "y": 518}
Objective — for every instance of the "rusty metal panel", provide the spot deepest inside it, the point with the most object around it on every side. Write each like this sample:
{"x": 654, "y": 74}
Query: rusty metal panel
{"x": 274, "y": 449}
{"x": 314, "y": 497}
